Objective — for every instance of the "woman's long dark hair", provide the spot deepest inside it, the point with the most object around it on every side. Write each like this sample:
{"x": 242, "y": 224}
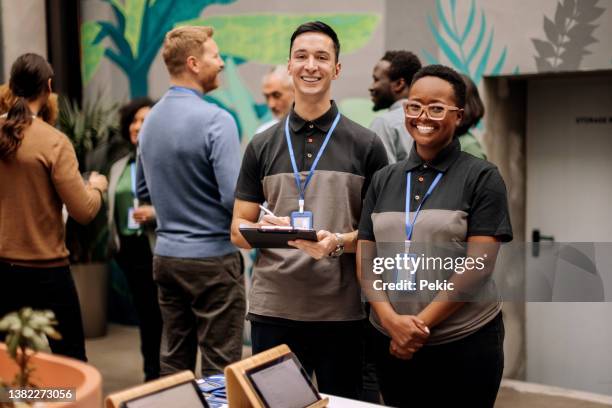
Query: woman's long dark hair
{"x": 30, "y": 76}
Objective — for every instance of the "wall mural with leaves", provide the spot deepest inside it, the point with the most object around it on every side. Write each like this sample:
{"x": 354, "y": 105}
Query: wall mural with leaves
{"x": 466, "y": 46}
{"x": 138, "y": 32}
{"x": 567, "y": 35}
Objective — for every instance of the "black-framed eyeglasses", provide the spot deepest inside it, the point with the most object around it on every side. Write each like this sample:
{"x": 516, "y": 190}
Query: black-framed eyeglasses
{"x": 435, "y": 111}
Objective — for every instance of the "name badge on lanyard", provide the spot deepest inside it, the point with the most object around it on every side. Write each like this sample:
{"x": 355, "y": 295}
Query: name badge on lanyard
{"x": 131, "y": 223}
{"x": 408, "y": 274}
{"x": 303, "y": 219}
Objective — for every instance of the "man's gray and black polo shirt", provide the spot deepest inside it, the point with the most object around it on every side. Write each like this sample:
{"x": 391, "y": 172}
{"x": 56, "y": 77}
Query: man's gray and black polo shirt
{"x": 288, "y": 283}
{"x": 469, "y": 200}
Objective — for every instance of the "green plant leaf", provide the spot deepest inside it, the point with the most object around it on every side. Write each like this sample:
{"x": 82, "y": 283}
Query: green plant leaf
{"x": 92, "y": 53}
{"x": 445, "y": 47}
{"x": 134, "y": 12}
{"x": 235, "y": 34}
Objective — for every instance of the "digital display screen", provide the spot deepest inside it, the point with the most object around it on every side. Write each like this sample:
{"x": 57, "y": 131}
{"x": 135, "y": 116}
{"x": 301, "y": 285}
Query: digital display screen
{"x": 184, "y": 395}
{"x": 283, "y": 383}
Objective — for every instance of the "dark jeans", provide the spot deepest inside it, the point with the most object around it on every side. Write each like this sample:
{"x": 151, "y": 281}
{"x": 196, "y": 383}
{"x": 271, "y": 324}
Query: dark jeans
{"x": 41, "y": 289}
{"x": 463, "y": 373}
{"x": 332, "y": 350}
{"x": 136, "y": 261}
{"x": 203, "y": 304}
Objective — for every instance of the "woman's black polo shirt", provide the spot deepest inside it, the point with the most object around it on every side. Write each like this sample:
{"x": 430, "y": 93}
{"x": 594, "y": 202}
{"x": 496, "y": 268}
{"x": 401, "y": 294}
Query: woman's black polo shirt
{"x": 288, "y": 283}
{"x": 469, "y": 200}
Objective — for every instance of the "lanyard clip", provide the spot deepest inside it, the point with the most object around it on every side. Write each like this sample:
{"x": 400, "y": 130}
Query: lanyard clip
{"x": 301, "y": 204}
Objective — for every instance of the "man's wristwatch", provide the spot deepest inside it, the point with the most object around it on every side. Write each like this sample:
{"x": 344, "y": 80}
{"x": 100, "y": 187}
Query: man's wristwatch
{"x": 339, "y": 247}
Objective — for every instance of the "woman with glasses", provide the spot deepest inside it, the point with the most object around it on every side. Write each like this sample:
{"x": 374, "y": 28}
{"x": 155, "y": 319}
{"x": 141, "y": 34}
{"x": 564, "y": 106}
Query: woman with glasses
{"x": 431, "y": 348}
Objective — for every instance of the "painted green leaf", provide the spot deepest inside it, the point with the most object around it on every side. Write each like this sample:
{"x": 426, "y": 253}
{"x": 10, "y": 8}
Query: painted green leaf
{"x": 484, "y": 59}
{"x": 92, "y": 53}
{"x": 134, "y": 11}
{"x": 430, "y": 58}
{"x": 470, "y": 22}
{"x": 445, "y": 47}
{"x": 241, "y": 98}
{"x": 243, "y": 36}
{"x": 118, "y": 5}
{"x": 444, "y": 22}
{"x": 479, "y": 38}
{"x": 500, "y": 63}
{"x": 358, "y": 110}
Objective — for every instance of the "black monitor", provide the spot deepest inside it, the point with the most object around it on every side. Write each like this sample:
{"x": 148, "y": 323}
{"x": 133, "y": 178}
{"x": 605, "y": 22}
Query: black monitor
{"x": 283, "y": 382}
{"x": 184, "y": 395}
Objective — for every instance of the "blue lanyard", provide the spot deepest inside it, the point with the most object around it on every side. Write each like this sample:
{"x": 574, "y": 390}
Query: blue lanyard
{"x": 133, "y": 175}
{"x": 186, "y": 90}
{"x": 296, "y": 174}
{"x": 410, "y": 224}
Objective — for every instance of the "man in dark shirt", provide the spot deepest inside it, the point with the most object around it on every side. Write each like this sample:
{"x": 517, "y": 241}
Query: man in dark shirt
{"x": 309, "y": 298}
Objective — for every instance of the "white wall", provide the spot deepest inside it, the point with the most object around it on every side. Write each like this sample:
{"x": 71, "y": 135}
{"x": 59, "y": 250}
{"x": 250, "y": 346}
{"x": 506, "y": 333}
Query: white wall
{"x": 24, "y": 29}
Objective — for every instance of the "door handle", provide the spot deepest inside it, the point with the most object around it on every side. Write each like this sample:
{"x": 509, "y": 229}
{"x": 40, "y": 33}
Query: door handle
{"x": 536, "y": 238}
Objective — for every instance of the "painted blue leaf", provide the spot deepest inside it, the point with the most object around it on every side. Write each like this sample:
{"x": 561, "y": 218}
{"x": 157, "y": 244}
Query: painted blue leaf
{"x": 478, "y": 42}
{"x": 120, "y": 18}
{"x": 444, "y": 22}
{"x": 445, "y": 47}
{"x": 120, "y": 60}
{"x": 500, "y": 63}
{"x": 484, "y": 59}
{"x": 470, "y": 22}
{"x": 116, "y": 36}
{"x": 516, "y": 70}
{"x": 453, "y": 4}
{"x": 430, "y": 58}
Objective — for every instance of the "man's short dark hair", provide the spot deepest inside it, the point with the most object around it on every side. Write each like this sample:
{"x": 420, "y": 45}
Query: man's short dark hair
{"x": 402, "y": 64}
{"x": 447, "y": 74}
{"x": 317, "y": 27}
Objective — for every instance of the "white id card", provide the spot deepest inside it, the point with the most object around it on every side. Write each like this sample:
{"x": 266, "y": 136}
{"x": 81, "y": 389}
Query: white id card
{"x": 131, "y": 223}
{"x": 406, "y": 270}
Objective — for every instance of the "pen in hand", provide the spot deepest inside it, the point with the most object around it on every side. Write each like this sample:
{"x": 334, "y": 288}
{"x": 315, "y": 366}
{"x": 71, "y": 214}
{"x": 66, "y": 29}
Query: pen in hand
{"x": 271, "y": 219}
{"x": 266, "y": 210}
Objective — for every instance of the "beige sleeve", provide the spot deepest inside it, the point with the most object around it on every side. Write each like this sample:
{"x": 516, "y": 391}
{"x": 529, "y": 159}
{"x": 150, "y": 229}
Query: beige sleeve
{"x": 82, "y": 202}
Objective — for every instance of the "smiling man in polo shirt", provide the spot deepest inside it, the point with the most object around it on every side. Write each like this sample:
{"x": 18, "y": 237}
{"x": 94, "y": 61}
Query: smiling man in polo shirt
{"x": 309, "y": 297}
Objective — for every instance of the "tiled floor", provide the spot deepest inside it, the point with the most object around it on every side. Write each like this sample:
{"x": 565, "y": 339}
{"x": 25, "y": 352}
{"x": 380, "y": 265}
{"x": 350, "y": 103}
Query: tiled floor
{"x": 118, "y": 358}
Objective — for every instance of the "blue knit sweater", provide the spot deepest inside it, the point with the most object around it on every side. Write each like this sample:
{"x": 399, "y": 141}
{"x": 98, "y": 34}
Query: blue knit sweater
{"x": 188, "y": 164}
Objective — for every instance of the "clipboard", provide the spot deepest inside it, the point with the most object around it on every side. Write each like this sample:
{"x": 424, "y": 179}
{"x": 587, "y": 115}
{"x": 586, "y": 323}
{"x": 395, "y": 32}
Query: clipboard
{"x": 275, "y": 236}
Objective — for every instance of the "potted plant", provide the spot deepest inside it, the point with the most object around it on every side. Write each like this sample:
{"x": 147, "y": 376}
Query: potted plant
{"x": 21, "y": 359}
{"x": 89, "y": 127}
